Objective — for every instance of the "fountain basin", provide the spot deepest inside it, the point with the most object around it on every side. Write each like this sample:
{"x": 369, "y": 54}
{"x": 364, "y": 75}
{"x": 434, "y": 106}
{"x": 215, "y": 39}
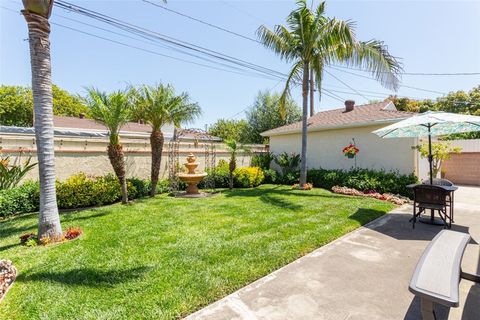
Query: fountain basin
{"x": 192, "y": 179}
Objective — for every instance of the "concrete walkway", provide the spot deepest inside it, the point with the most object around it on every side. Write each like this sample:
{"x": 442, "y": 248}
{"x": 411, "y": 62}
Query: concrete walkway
{"x": 363, "y": 275}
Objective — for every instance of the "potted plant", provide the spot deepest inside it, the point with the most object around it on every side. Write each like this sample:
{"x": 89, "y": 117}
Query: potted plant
{"x": 350, "y": 151}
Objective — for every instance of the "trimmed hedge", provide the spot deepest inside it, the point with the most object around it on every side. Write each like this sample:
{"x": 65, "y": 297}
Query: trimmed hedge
{"x": 78, "y": 191}
{"x": 243, "y": 177}
{"x": 25, "y": 198}
{"x": 363, "y": 180}
{"x": 248, "y": 177}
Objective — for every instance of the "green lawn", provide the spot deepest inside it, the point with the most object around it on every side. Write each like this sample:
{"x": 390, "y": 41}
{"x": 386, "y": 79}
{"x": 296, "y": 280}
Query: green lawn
{"x": 164, "y": 258}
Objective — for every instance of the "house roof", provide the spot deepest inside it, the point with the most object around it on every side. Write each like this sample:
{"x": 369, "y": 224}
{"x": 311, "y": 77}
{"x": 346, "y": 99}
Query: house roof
{"x": 361, "y": 115}
{"x": 89, "y": 124}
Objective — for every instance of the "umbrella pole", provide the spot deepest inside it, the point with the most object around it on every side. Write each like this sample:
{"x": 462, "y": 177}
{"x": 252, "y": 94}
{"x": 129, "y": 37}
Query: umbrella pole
{"x": 430, "y": 156}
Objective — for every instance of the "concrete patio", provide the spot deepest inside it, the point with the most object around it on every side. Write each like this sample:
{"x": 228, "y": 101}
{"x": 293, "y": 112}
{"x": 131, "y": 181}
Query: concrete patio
{"x": 363, "y": 275}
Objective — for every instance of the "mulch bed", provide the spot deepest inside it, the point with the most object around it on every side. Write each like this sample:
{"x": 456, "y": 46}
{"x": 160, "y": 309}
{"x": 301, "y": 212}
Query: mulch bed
{"x": 8, "y": 273}
{"x": 396, "y": 199}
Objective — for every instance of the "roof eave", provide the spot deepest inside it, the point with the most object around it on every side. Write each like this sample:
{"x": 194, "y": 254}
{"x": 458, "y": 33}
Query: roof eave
{"x": 342, "y": 126}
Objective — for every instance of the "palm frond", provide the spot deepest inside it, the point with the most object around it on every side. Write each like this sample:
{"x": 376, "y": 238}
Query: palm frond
{"x": 158, "y": 105}
{"x": 112, "y": 110}
{"x": 373, "y": 56}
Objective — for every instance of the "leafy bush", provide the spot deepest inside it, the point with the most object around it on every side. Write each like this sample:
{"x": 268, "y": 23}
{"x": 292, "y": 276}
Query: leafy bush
{"x": 263, "y": 160}
{"x": 220, "y": 177}
{"x": 78, "y": 191}
{"x": 288, "y": 163}
{"x": 11, "y": 174}
{"x": 25, "y": 198}
{"x": 248, "y": 177}
{"x": 271, "y": 176}
{"x": 138, "y": 188}
{"x": 363, "y": 180}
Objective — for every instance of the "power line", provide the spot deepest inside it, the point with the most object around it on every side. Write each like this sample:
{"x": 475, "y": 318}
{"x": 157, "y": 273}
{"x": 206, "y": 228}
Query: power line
{"x": 202, "y": 21}
{"x": 243, "y": 72}
{"x": 167, "y": 39}
{"x": 402, "y": 85}
{"x": 419, "y": 73}
{"x": 345, "y": 84}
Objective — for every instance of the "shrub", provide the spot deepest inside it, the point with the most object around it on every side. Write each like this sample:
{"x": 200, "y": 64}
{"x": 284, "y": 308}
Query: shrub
{"x": 271, "y": 176}
{"x": 25, "y": 198}
{"x": 288, "y": 163}
{"x": 163, "y": 186}
{"x": 138, "y": 188}
{"x": 363, "y": 180}
{"x": 248, "y": 177}
{"x": 78, "y": 191}
{"x": 220, "y": 177}
{"x": 262, "y": 160}
{"x": 11, "y": 174}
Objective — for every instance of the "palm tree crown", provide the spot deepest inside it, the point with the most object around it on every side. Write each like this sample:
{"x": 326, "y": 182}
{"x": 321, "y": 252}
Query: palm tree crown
{"x": 315, "y": 40}
{"x": 113, "y": 110}
{"x": 158, "y": 105}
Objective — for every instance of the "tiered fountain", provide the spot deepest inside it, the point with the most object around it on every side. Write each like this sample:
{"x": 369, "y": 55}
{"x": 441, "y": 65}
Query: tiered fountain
{"x": 192, "y": 177}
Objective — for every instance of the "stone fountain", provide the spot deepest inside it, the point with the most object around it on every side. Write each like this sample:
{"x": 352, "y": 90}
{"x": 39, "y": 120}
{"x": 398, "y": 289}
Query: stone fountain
{"x": 192, "y": 178}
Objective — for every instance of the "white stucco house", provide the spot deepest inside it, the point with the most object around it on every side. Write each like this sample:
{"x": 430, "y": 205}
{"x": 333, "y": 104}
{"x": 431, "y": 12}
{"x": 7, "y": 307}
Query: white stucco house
{"x": 330, "y": 131}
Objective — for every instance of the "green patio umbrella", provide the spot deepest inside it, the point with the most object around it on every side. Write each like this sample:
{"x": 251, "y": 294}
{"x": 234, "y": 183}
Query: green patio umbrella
{"x": 431, "y": 123}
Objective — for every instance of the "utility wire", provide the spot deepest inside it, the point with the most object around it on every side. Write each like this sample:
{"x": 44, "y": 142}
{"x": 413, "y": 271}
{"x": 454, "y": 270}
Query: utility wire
{"x": 345, "y": 84}
{"x": 242, "y": 72}
{"x": 202, "y": 21}
{"x": 419, "y": 73}
{"x": 170, "y": 40}
{"x": 257, "y": 41}
{"x": 402, "y": 85}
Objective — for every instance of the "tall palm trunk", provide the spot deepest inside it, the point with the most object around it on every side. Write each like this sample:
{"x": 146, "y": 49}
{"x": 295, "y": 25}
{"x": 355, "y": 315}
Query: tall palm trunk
{"x": 312, "y": 94}
{"x": 156, "y": 143}
{"x": 303, "y": 163}
{"x": 117, "y": 159}
{"x": 38, "y": 34}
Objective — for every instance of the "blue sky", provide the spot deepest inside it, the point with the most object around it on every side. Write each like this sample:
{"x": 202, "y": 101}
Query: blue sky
{"x": 429, "y": 36}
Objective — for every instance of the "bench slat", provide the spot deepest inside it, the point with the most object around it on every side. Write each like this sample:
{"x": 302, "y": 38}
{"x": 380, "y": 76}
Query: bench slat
{"x": 437, "y": 274}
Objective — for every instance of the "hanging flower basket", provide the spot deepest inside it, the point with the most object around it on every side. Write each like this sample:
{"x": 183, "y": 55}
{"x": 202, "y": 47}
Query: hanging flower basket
{"x": 350, "y": 151}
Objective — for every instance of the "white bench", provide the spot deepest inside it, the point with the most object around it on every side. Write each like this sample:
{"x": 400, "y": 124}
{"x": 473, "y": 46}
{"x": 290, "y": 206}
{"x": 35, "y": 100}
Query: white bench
{"x": 437, "y": 275}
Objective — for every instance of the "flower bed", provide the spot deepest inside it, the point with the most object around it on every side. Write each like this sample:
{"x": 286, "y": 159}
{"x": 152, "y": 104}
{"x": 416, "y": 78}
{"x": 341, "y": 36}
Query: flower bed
{"x": 8, "y": 273}
{"x": 396, "y": 199}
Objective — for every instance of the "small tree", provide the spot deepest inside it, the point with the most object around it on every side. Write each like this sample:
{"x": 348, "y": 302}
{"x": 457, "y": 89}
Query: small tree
{"x": 113, "y": 110}
{"x": 234, "y": 147}
{"x": 440, "y": 151}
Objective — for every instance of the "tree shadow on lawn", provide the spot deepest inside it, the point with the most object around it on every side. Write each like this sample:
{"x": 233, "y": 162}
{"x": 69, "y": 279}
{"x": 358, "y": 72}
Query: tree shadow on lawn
{"x": 273, "y": 197}
{"x": 278, "y": 190}
{"x": 364, "y": 215}
{"x": 71, "y": 216}
{"x": 87, "y": 276}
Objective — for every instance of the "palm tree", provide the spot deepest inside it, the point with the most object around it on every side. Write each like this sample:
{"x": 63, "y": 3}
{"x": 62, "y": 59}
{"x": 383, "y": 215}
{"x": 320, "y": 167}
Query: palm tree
{"x": 36, "y": 14}
{"x": 158, "y": 106}
{"x": 313, "y": 41}
{"x": 112, "y": 110}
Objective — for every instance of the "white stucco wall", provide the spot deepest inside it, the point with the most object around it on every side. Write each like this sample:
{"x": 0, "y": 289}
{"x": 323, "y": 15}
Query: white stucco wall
{"x": 324, "y": 149}
{"x": 88, "y": 155}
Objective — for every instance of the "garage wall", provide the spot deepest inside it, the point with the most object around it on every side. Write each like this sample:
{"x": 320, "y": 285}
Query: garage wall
{"x": 464, "y": 168}
{"x": 324, "y": 149}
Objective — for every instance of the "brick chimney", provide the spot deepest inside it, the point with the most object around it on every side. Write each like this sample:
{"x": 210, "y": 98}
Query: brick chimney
{"x": 349, "y": 105}
{"x": 81, "y": 115}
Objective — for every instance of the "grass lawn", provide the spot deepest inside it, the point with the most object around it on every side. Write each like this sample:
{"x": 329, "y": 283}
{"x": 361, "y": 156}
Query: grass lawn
{"x": 164, "y": 258}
